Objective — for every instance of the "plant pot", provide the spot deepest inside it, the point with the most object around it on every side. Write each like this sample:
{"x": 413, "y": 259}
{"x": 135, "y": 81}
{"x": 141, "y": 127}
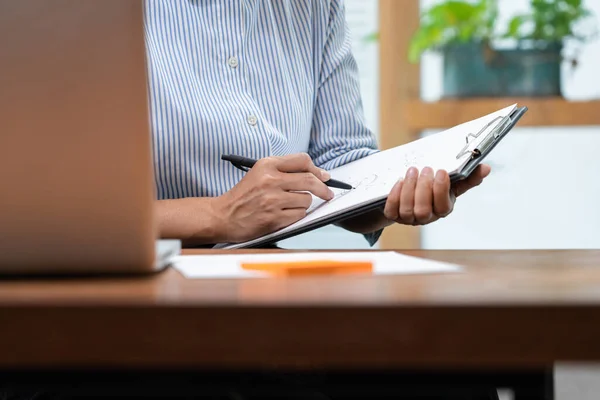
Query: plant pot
{"x": 476, "y": 70}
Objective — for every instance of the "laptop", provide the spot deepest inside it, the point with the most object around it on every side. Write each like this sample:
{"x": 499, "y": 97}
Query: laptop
{"x": 77, "y": 188}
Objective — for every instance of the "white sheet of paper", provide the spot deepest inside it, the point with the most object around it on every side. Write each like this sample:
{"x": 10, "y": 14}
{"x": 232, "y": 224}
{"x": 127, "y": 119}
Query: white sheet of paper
{"x": 229, "y": 266}
{"x": 373, "y": 177}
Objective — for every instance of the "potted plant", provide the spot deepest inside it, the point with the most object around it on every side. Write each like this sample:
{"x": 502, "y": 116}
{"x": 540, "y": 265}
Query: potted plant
{"x": 477, "y": 61}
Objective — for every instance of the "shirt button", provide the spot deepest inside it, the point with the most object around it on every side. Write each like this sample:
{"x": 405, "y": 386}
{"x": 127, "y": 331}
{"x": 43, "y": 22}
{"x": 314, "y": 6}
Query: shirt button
{"x": 233, "y": 62}
{"x": 252, "y": 120}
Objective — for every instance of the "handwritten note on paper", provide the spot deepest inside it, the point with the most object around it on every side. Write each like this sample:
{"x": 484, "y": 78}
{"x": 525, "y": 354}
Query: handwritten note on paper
{"x": 374, "y": 176}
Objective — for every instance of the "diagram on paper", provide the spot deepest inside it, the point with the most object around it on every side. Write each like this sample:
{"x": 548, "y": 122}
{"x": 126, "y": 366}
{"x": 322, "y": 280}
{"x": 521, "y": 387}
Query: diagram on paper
{"x": 377, "y": 182}
{"x": 413, "y": 159}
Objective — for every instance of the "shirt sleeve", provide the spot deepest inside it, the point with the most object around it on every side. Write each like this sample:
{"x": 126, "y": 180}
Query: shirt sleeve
{"x": 339, "y": 133}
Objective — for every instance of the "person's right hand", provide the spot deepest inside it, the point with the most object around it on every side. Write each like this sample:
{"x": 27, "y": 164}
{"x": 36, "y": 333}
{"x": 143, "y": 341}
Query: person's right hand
{"x": 267, "y": 198}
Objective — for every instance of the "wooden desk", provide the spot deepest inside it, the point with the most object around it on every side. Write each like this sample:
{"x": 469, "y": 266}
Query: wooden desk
{"x": 507, "y": 309}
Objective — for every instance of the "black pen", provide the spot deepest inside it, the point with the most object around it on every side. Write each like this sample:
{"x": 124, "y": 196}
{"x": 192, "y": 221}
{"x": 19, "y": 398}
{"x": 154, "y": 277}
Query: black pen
{"x": 244, "y": 163}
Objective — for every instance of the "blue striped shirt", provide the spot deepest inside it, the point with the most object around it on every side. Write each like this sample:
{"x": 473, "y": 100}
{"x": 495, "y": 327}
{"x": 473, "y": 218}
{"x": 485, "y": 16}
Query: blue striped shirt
{"x": 249, "y": 77}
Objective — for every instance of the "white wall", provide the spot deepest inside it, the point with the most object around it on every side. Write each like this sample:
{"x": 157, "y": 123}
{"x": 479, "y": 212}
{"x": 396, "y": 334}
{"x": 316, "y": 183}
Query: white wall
{"x": 544, "y": 191}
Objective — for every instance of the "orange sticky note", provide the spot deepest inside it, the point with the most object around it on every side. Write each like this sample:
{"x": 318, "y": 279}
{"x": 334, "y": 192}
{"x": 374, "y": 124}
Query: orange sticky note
{"x": 316, "y": 267}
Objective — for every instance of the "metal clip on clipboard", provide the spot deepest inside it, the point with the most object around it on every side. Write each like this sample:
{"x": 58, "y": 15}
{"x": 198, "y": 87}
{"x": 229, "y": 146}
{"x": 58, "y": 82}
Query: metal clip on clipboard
{"x": 476, "y": 148}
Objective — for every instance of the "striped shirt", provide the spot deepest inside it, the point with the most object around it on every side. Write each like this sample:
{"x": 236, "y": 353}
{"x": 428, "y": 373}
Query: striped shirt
{"x": 253, "y": 78}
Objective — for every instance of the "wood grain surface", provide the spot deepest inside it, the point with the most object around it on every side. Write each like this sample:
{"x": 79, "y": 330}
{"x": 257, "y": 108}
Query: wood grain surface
{"x": 505, "y": 309}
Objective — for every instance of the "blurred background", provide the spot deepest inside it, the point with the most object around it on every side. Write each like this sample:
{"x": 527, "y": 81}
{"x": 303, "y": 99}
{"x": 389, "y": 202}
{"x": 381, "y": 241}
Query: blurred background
{"x": 544, "y": 190}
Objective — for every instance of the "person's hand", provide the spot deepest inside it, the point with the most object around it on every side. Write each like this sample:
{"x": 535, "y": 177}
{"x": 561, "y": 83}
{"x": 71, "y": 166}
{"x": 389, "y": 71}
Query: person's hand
{"x": 275, "y": 193}
{"x": 425, "y": 198}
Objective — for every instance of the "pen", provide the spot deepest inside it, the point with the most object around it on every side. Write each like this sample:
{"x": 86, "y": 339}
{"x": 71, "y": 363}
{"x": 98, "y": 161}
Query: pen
{"x": 244, "y": 163}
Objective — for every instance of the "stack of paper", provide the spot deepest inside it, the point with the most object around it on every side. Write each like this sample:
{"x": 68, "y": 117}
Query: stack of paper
{"x": 229, "y": 266}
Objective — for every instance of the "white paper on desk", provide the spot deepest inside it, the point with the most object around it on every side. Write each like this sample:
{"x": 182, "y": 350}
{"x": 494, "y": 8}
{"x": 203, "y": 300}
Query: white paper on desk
{"x": 229, "y": 266}
{"x": 373, "y": 177}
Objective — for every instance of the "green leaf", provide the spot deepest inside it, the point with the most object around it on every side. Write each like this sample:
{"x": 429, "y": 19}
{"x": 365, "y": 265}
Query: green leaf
{"x": 514, "y": 26}
{"x": 371, "y": 37}
{"x": 459, "y": 21}
{"x": 453, "y": 21}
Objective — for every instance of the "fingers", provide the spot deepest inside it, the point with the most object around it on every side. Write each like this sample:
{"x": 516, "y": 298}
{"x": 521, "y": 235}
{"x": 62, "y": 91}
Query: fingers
{"x": 475, "y": 179}
{"x": 392, "y": 205}
{"x": 297, "y": 200}
{"x": 407, "y": 196}
{"x": 423, "y": 210}
{"x": 420, "y": 199}
{"x": 306, "y": 182}
{"x": 443, "y": 202}
{"x": 296, "y": 172}
{"x": 301, "y": 163}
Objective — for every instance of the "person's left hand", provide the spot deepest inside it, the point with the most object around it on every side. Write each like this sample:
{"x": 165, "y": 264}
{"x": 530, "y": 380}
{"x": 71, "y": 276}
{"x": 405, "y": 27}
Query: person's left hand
{"x": 425, "y": 198}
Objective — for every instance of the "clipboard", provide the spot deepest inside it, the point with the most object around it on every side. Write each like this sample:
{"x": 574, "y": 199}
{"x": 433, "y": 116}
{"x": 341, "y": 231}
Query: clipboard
{"x": 477, "y": 144}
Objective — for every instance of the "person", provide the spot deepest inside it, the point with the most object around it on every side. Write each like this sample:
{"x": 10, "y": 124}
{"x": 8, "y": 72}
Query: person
{"x": 273, "y": 80}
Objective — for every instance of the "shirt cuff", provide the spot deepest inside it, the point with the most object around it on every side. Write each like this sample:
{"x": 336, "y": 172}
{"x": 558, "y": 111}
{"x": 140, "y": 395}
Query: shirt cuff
{"x": 373, "y": 237}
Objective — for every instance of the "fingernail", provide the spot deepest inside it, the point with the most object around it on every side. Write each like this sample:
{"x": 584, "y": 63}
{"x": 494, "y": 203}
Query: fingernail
{"x": 427, "y": 171}
{"x": 412, "y": 173}
{"x": 439, "y": 176}
{"x": 331, "y": 194}
{"x": 325, "y": 175}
